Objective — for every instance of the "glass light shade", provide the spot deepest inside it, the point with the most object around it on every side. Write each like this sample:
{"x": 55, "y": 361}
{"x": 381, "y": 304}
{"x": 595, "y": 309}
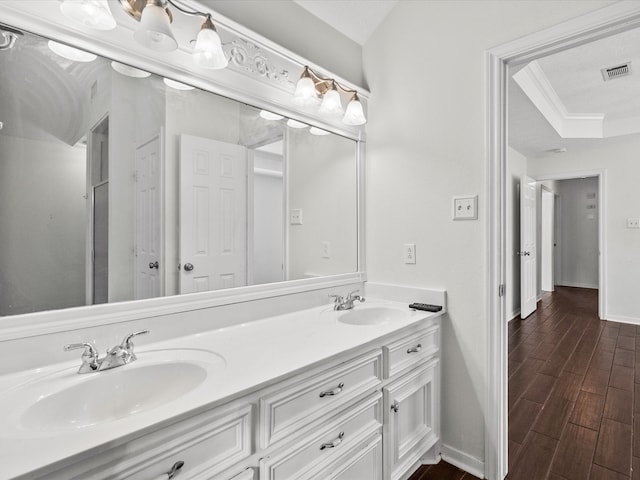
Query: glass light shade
{"x": 331, "y": 104}
{"x": 71, "y": 53}
{"x": 176, "y": 85}
{"x": 296, "y": 124}
{"x": 318, "y": 131}
{"x": 129, "y": 71}
{"x": 154, "y": 31}
{"x": 208, "y": 50}
{"x": 91, "y": 13}
{"x": 305, "y": 93}
{"x": 270, "y": 115}
{"x": 354, "y": 114}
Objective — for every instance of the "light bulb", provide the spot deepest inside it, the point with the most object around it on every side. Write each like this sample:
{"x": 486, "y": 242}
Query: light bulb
{"x": 71, "y": 53}
{"x": 129, "y": 71}
{"x": 154, "y": 31}
{"x": 270, "y": 115}
{"x": 295, "y": 124}
{"x": 331, "y": 104}
{"x": 318, "y": 131}
{"x": 91, "y": 13}
{"x": 354, "y": 114}
{"x": 305, "y": 93}
{"x": 177, "y": 85}
{"x": 208, "y": 51}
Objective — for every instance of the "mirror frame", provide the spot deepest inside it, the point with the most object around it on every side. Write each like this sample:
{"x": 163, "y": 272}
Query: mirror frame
{"x": 240, "y": 82}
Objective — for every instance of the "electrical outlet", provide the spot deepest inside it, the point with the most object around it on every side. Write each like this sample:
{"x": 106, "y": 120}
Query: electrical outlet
{"x": 295, "y": 216}
{"x": 409, "y": 253}
{"x": 326, "y": 249}
{"x": 633, "y": 222}
{"x": 465, "y": 208}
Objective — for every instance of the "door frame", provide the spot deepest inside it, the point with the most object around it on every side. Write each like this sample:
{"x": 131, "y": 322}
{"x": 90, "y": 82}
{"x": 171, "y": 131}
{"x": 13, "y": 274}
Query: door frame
{"x": 601, "y": 175}
{"x": 549, "y": 228}
{"x": 609, "y": 20}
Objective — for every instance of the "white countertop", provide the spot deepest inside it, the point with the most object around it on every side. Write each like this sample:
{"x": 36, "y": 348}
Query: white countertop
{"x": 247, "y": 356}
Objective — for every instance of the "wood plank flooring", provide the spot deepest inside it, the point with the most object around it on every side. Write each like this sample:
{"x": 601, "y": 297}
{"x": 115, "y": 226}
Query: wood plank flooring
{"x": 574, "y": 392}
{"x": 441, "y": 471}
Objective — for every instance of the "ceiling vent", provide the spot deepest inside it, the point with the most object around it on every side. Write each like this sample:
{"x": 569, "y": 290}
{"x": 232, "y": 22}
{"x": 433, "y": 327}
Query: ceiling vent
{"x": 617, "y": 71}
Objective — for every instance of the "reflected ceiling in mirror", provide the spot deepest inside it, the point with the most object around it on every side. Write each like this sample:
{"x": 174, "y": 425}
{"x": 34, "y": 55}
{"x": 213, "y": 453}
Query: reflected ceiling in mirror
{"x": 120, "y": 185}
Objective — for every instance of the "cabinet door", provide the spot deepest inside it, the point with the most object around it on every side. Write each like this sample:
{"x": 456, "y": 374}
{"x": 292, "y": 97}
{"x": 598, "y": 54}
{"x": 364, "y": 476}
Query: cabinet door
{"x": 411, "y": 418}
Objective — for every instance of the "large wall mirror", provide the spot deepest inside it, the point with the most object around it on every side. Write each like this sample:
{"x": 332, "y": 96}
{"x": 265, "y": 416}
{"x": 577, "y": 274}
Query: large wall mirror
{"x": 117, "y": 185}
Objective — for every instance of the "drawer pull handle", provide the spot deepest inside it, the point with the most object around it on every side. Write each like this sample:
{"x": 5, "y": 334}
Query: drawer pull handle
{"x": 415, "y": 349}
{"x": 175, "y": 469}
{"x": 333, "y": 444}
{"x": 332, "y": 392}
{"x": 395, "y": 406}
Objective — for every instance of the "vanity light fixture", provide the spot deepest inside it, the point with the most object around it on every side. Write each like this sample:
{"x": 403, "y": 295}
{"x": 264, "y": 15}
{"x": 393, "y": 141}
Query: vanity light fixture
{"x": 154, "y": 31}
{"x": 177, "y": 85}
{"x": 91, "y": 13}
{"x": 71, "y": 53}
{"x": 312, "y": 87}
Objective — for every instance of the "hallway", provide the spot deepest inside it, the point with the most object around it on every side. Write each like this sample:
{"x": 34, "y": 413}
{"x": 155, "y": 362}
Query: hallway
{"x": 573, "y": 395}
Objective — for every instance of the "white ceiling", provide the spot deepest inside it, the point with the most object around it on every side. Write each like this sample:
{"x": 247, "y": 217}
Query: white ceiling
{"x": 575, "y": 81}
{"x": 356, "y": 19}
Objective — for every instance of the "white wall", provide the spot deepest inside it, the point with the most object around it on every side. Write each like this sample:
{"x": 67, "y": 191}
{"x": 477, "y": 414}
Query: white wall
{"x": 579, "y": 232}
{"x": 425, "y": 67}
{"x": 42, "y": 218}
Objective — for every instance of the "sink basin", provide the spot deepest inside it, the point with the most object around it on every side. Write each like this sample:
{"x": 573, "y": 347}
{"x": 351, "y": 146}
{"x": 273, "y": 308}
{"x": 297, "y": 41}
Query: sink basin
{"x": 66, "y": 400}
{"x": 372, "y": 315}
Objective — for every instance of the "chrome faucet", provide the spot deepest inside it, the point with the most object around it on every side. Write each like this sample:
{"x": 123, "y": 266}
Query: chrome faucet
{"x": 116, "y": 356}
{"x": 341, "y": 303}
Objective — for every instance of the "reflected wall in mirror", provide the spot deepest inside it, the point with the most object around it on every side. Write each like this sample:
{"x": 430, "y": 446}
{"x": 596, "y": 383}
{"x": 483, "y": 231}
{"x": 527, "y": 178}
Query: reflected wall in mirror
{"x": 119, "y": 185}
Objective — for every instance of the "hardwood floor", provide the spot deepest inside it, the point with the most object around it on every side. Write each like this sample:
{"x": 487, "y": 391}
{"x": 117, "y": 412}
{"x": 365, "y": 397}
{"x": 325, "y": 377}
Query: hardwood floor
{"x": 574, "y": 392}
{"x": 441, "y": 471}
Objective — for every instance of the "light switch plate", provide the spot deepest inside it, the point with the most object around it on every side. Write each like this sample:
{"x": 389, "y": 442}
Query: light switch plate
{"x": 465, "y": 208}
{"x": 633, "y": 223}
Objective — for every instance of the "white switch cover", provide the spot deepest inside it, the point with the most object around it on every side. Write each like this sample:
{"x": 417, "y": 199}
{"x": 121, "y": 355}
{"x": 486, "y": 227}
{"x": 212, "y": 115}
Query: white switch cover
{"x": 633, "y": 222}
{"x": 295, "y": 216}
{"x": 326, "y": 249}
{"x": 465, "y": 208}
{"x": 409, "y": 253}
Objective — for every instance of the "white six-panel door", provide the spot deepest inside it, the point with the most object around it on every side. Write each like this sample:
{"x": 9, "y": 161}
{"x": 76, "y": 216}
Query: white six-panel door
{"x": 213, "y": 214}
{"x": 528, "y": 266}
{"x": 148, "y": 263}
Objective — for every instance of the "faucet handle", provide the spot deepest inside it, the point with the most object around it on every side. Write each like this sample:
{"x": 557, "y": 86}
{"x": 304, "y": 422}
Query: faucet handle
{"x": 89, "y": 356}
{"x": 351, "y": 294}
{"x": 337, "y": 298}
{"x": 127, "y": 343}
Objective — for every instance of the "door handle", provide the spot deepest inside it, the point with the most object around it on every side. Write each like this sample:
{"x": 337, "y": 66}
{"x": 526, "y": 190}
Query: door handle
{"x": 153, "y": 264}
{"x": 188, "y": 267}
{"x": 523, "y": 254}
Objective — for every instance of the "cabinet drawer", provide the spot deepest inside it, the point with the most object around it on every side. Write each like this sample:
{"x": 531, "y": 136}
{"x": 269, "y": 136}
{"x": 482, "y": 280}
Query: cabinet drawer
{"x": 207, "y": 444}
{"x": 305, "y": 459}
{"x": 411, "y": 350}
{"x": 297, "y": 405}
{"x": 363, "y": 462}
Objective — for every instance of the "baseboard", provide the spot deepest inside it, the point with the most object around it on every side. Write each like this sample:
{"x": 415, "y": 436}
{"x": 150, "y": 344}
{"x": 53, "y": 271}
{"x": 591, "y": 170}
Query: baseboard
{"x": 515, "y": 314}
{"x": 623, "y": 319}
{"x": 461, "y": 460}
{"x": 579, "y": 285}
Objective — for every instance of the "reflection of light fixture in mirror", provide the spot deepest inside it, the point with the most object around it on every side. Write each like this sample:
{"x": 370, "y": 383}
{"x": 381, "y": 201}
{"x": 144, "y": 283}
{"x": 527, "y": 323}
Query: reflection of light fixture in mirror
{"x": 91, "y": 13}
{"x": 129, "y": 71}
{"x": 154, "y": 31}
{"x": 9, "y": 37}
{"x": 71, "y": 53}
{"x": 296, "y": 124}
{"x": 318, "y": 131}
{"x": 311, "y": 86}
{"x": 270, "y": 115}
{"x": 177, "y": 85}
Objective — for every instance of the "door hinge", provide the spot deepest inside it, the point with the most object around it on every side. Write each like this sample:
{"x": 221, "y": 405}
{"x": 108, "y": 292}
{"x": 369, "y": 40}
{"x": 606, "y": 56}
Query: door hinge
{"x": 501, "y": 290}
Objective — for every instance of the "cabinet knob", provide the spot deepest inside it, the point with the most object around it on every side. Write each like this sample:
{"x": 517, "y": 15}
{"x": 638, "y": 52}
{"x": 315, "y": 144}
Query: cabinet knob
{"x": 395, "y": 406}
{"x": 334, "y": 391}
{"x": 334, "y": 443}
{"x": 415, "y": 349}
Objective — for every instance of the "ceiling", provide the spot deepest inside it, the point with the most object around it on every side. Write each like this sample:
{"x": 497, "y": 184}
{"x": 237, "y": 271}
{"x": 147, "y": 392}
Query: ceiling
{"x": 572, "y": 107}
{"x": 356, "y": 19}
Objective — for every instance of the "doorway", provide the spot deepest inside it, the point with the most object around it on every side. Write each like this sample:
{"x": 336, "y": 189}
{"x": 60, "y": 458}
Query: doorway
{"x": 608, "y": 21}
